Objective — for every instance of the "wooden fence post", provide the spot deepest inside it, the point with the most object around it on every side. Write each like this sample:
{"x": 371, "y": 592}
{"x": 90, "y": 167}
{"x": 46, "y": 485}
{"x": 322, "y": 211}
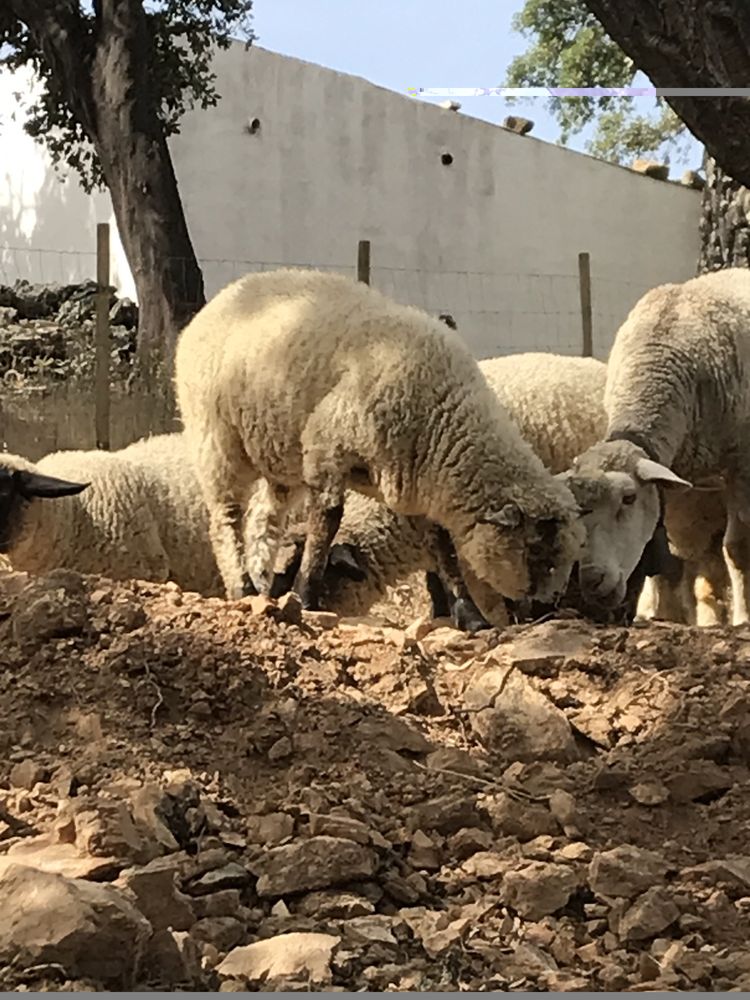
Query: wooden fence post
{"x": 584, "y": 286}
{"x": 363, "y": 261}
{"x": 101, "y": 378}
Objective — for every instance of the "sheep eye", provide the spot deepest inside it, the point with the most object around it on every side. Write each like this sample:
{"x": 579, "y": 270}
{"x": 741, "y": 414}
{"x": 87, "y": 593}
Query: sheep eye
{"x": 628, "y": 499}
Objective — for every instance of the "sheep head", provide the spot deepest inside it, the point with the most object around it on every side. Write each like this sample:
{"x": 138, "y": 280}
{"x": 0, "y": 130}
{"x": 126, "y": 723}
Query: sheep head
{"x": 20, "y": 484}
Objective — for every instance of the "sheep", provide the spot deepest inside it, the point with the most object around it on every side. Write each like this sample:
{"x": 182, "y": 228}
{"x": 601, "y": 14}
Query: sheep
{"x": 678, "y": 405}
{"x": 316, "y": 383}
{"x": 557, "y": 403}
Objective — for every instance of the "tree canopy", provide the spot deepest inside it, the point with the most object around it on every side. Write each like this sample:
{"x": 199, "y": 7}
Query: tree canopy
{"x": 568, "y": 47}
{"x": 59, "y": 40}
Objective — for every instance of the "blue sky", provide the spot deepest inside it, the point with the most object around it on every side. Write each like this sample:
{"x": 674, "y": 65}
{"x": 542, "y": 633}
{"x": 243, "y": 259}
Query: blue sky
{"x": 411, "y": 43}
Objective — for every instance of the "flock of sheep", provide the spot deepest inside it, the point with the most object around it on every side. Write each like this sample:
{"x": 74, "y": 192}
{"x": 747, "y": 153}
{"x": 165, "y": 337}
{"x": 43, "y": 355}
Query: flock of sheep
{"x": 336, "y": 442}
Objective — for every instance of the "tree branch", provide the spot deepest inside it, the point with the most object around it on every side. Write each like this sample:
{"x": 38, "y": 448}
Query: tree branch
{"x": 58, "y": 32}
{"x": 692, "y": 43}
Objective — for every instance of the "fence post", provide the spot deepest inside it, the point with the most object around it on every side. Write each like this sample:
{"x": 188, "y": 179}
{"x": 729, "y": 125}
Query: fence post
{"x": 584, "y": 286}
{"x": 101, "y": 378}
{"x": 363, "y": 261}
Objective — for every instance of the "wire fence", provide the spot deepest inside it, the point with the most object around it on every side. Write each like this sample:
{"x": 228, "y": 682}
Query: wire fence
{"x": 497, "y": 313}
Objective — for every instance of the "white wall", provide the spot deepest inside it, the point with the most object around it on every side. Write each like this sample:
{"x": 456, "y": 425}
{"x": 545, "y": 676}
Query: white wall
{"x": 493, "y": 238}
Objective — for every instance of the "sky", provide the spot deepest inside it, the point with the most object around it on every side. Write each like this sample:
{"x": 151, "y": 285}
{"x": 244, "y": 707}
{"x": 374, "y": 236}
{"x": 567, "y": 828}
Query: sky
{"x": 412, "y": 43}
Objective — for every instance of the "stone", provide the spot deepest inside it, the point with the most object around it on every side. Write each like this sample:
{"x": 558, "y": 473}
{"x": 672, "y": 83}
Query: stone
{"x": 315, "y": 863}
{"x": 468, "y": 841}
{"x": 700, "y": 777}
{"x": 172, "y": 959}
{"x": 281, "y": 749}
{"x": 650, "y": 914}
{"x": 423, "y": 852}
{"x": 290, "y": 608}
{"x": 50, "y": 607}
{"x": 514, "y": 123}
{"x": 651, "y": 168}
{"x": 88, "y": 929}
{"x": 222, "y": 932}
{"x": 446, "y": 814}
{"x": 225, "y": 903}
{"x": 324, "y": 620}
{"x": 544, "y": 649}
{"x": 625, "y": 871}
{"x": 45, "y": 855}
{"x": 514, "y": 719}
{"x": 452, "y": 759}
{"x": 271, "y": 828}
{"x": 335, "y": 905}
{"x": 372, "y": 929}
{"x": 340, "y": 826}
{"x": 539, "y": 889}
{"x": 563, "y": 807}
{"x": 518, "y": 819}
{"x": 732, "y": 872}
{"x": 649, "y": 793}
{"x": 393, "y": 733}
{"x": 437, "y": 932}
{"x": 295, "y": 954}
{"x": 157, "y": 896}
{"x": 230, "y": 876}
{"x": 148, "y": 808}
{"x": 26, "y": 774}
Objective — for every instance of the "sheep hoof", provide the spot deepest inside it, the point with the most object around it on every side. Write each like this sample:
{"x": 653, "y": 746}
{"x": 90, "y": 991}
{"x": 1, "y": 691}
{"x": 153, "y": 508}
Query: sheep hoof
{"x": 467, "y": 617}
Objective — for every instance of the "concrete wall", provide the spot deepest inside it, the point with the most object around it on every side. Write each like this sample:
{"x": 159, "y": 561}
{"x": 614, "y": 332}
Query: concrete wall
{"x": 493, "y": 238}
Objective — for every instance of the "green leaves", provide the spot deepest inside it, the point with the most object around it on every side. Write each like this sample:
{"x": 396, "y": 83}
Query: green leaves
{"x": 183, "y": 36}
{"x": 569, "y": 48}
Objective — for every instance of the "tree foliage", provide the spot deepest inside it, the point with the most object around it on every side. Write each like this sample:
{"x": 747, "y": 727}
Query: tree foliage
{"x": 181, "y": 34}
{"x": 569, "y": 48}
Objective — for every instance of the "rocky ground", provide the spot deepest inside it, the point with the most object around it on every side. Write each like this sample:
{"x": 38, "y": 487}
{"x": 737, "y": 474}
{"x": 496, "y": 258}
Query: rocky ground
{"x": 47, "y": 335}
{"x": 227, "y": 796}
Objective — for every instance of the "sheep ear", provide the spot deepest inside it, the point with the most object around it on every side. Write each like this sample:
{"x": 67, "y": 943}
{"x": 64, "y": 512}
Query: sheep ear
{"x": 33, "y": 484}
{"x": 654, "y": 472}
{"x": 510, "y": 515}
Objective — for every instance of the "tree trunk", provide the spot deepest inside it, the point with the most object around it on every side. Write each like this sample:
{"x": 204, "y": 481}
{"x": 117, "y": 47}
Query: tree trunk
{"x": 725, "y": 225}
{"x": 137, "y": 166}
{"x": 692, "y": 43}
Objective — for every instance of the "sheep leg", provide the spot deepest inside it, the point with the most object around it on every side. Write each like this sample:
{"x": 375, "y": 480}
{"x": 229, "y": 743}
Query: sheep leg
{"x": 465, "y": 614}
{"x": 323, "y": 521}
{"x": 709, "y": 589}
{"x": 737, "y": 554}
{"x": 265, "y": 520}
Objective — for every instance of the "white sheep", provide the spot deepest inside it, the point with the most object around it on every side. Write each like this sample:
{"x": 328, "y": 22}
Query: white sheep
{"x": 133, "y": 514}
{"x": 317, "y": 383}
{"x": 678, "y": 405}
{"x": 558, "y": 404}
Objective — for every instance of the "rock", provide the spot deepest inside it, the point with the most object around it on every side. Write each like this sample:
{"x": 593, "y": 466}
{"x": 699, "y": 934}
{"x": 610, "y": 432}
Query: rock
{"x": 446, "y": 814}
{"x": 468, "y": 841}
{"x": 649, "y": 793}
{"x": 691, "y": 178}
{"x": 324, "y": 620}
{"x": 518, "y": 819}
{"x": 513, "y": 718}
{"x": 732, "y": 872}
{"x": 450, "y": 759}
{"x": 26, "y": 774}
{"x": 373, "y": 929}
{"x": 335, "y": 906}
{"x": 315, "y": 863}
{"x": 625, "y": 871}
{"x": 437, "y": 932}
{"x": 649, "y": 915}
{"x": 172, "y": 959}
{"x": 700, "y": 778}
{"x": 651, "y": 168}
{"x": 281, "y": 749}
{"x": 46, "y": 855}
{"x": 270, "y": 829}
{"x": 423, "y": 852}
{"x": 340, "y": 826}
{"x": 222, "y": 932}
{"x": 225, "y": 903}
{"x": 50, "y": 607}
{"x": 290, "y": 608}
{"x": 393, "y": 733}
{"x": 539, "y": 889}
{"x": 544, "y": 649}
{"x": 90, "y": 930}
{"x": 149, "y": 808}
{"x": 157, "y": 896}
{"x": 231, "y": 876}
{"x": 516, "y": 124}
{"x": 486, "y": 864}
{"x": 295, "y": 954}
{"x": 563, "y": 807}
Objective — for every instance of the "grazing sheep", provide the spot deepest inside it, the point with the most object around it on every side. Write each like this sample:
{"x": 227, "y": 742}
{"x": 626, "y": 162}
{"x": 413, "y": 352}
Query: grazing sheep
{"x": 678, "y": 404}
{"x": 557, "y": 403}
{"x": 316, "y": 384}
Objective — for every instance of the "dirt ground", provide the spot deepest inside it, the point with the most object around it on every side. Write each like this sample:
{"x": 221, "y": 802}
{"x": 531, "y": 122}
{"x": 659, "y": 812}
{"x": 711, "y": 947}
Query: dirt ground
{"x": 206, "y": 795}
